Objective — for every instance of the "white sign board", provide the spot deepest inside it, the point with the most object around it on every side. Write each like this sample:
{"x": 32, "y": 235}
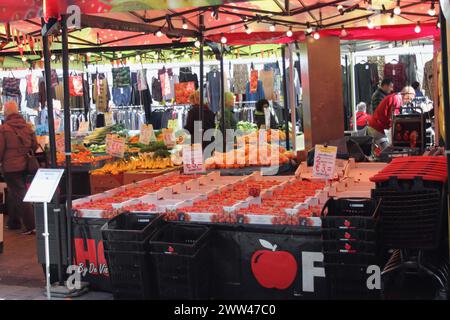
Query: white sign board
{"x": 44, "y": 185}
{"x": 193, "y": 159}
{"x": 147, "y": 134}
{"x": 324, "y": 162}
{"x": 83, "y": 128}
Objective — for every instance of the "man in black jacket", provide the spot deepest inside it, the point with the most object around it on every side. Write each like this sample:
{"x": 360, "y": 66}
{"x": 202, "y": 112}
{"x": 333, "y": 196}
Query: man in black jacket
{"x": 386, "y": 87}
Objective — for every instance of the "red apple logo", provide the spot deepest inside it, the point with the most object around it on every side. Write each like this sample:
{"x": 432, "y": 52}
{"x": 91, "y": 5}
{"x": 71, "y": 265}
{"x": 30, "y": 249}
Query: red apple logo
{"x": 274, "y": 269}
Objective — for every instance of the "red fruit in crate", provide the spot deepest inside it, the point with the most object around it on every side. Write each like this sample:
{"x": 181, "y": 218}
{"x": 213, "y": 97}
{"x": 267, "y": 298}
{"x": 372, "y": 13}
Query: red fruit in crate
{"x": 347, "y": 246}
{"x": 273, "y": 269}
{"x": 347, "y": 223}
{"x": 347, "y": 235}
{"x": 406, "y": 135}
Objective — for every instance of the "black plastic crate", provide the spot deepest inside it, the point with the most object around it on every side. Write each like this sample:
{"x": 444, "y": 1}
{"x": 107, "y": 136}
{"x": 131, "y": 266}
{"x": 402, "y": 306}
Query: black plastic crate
{"x": 411, "y": 216}
{"x": 131, "y": 275}
{"x": 350, "y": 258}
{"x": 349, "y": 246}
{"x": 349, "y": 234}
{"x": 181, "y": 256}
{"x": 130, "y": 227}
{"x": 349, "y": 222}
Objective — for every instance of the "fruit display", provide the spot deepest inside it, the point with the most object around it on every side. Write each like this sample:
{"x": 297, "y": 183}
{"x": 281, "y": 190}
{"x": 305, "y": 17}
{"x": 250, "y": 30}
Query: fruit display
{"x": 251, "y": 155}
{"x": 107, "y": 203}
{"x": 269, "y": 135}
{"x": 135, "y": 163}
{"x": 81, "y": 156}
{"x": 216, "y": 202}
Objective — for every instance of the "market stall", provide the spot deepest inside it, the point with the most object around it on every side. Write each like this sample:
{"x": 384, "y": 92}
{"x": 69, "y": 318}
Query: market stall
{"x": 262, "y": 235}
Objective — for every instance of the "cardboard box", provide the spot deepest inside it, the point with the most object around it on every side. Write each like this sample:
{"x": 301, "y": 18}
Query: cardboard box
{"x": 104, "y": 182}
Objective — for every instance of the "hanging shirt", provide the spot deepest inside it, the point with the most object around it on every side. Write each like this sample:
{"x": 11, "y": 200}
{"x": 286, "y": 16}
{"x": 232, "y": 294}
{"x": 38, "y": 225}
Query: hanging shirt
{"x": 32, "y": 83}
{"x": 267, "y": 78}
{"x": 142, "y": 80}
{"x": 258, "y": 95}
{"x": 240, "y": 78}
{"x": 397, "y": 73}
{"x": 253, "y": 81}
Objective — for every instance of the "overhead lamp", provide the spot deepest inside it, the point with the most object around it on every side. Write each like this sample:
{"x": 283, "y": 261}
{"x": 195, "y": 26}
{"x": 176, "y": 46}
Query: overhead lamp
{"x": 24, "y": 59}
{"x": 72, "y": 58}
{"x": 316, "y": 35}
{"x": 397, "y": 9}
{"x": 88, "y": 54}
{"x": 215, "y": 13}
{"x": 247, "y": 29}
{"x": 53, "y": 57}
{"x": 289, "y": 32}
{"x": 438, "y": 24}
{"x": 344, "y": 32}
{"x": 417, "y": 29}
{"x": 432, "y": 10}
{"x": 308, "y": 28}
{"x": 119, "y": 55}
{"x": 197, "y": 44}
{"x": 159, "y": 33}
{"x": 223, "y": 39}
{"x": 42, "y": 58}
{"x": 272, "y": 27}
{"x": 370, "y": 24}
{"x": 340, "y": 7}
{"x": 184, "y": 26}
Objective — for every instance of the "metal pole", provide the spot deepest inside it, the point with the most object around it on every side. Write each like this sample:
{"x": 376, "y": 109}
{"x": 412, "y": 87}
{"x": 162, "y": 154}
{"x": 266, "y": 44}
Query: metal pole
{"x": 347, "y": 107}
{"x": 445, "y": 84}
{"x": 292, "y": 99}
{"x": 352, "y": 88}
{"x": 285, "y": 97}
{"x": 202, "y": 71}
{"x": 67, "y": 137}
{"x": 47, "y": 252}
{"x": 48, "y": 86}
{"x": 222, "y": 99}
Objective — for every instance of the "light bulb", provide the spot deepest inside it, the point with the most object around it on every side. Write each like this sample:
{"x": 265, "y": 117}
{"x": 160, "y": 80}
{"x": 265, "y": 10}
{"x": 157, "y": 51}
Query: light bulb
{"x": 417, "y": 29}
{"x": 223, "y": 39}
{"x": 397, "y": 10}
{"x": 119, "y": 55}
{"x": 24, "y": 59}
{"x": 309, "y": 30}
{"x": 316, "y": 35}
{"x": 432, "y": 12}
{"x": 197, "y": 44}
{"x": 248, "y": 30}
{"x": 138, "y": 58}
{"x": 88, "y": 54}
{"x": 53, "y": 57}
{"x": 438, "y": 25}
{"x": 272, "y": 28}
{"x": 369, "y": 24}
{"x": 159, "y": 33}
{"x": 72, "y": 58}
{"x": 184, "y": 26}
{"x": 343, "y": 32}
{"x": 391, "y": 45}
{"x": 340, "y": 7}
{"x": 289, "y": 33}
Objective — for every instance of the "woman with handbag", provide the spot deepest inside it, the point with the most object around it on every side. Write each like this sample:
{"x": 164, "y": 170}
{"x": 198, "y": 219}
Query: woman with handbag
{"x": 17, "y": 145}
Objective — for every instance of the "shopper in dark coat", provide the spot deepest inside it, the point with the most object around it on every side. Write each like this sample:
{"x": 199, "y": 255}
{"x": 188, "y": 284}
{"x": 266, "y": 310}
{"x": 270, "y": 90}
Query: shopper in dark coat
{"x": 260, "y": 115}
{"x": 17, "y": 139}
{"x": 385, "y": 89}
{"x": 208, "y": 119}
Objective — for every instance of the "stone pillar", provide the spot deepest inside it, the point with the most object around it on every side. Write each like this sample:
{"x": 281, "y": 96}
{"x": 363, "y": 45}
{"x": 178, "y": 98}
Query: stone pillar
{"x": 323, "y": 106}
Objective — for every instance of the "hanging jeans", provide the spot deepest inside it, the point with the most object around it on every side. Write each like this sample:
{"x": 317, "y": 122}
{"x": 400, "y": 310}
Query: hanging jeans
{"x": 121, "y": 96}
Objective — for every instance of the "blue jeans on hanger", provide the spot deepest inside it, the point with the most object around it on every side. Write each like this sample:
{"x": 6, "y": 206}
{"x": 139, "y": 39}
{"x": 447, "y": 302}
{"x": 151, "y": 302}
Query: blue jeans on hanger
{"x": 121, "y": 96}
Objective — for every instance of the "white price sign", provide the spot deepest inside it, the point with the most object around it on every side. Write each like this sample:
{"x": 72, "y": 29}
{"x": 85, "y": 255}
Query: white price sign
{"x": 115, "y": 146}
{"x": 83, "y": 128}
{"x": 147, "y": 134}
{"x": 44, "y": 185}
{"x": 324, "y": 161}
{"x": 193, "y": 159}
{"x": 169, "y": 137}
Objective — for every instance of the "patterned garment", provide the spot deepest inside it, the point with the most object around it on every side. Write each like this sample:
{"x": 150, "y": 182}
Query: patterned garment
{"x": 380, "y": 61}
{"x": 410, "y": 63}
{"x": 397, "y": 73}
{"x": 267, "y": 78}
{"x": 32, "y": 83}
{"x": 121, "y": 77}
{"x": 101, "y": 94}
{"x": 240, "y": 78}
{"x": 142, "y": 80}
{"x": 428, "y": 84}
{"x": 253, "y": 81}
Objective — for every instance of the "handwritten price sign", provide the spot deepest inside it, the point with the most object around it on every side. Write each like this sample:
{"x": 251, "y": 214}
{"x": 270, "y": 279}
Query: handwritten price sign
{"x": 169, "y": 137}
{"x": 115, "y": 146}
{"x": 147, "y": 134}
{"x": 83, "y": 128}
{"x": 324, "y": 162}
{"x": 193, "y": 159}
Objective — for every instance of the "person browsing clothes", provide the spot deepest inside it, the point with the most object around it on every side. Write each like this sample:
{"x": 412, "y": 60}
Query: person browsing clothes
{"x": 386, "y": 87}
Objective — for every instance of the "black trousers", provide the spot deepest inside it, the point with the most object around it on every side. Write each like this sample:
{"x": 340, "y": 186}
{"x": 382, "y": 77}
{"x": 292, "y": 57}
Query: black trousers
{"x": 18, "y": 211}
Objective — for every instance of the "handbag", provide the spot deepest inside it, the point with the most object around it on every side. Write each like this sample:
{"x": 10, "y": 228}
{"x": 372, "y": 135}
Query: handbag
{"x": 32, "y": 163}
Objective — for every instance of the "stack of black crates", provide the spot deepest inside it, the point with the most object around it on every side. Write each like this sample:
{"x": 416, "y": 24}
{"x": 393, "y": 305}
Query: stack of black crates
{"x": 350, "y": 246}
{"x": 126, "y": 242}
